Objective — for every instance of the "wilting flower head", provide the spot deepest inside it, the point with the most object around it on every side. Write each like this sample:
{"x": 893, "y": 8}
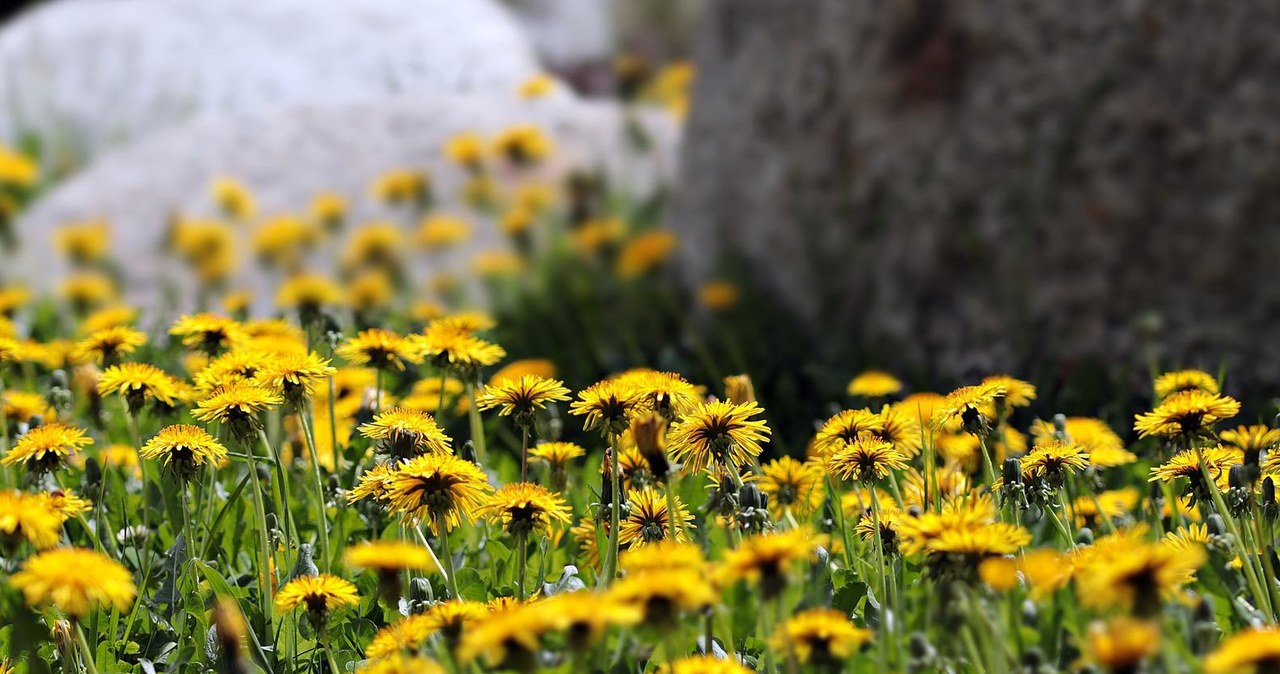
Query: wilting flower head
{"x": 380, "y": 349}
{"x": 26, "y": 517}
{"x": 874, "y": 384}
{"x": 404, "y": 434}
{"x": 867, "y": 459}
{"x": 821, "y": 638}
{"x": 209, "y": 333}
{"x": 138, "y": 384}
{"x": 608, "y": 406}
{"x": 524, "y": 508}
{"x": 237, "y": 405}
{"x": 184, "y": 449}
{"x": 1255, "y": 650}
{"x": 108, "y": 345}
{"x": 1185, "y": 414}
{"x": 45, "y": 448}
{"x": 294, "y": 376}
{"x": 719, "y": 433}
{"x": 439, "y": 488}
{"x": 76, "y": 581}
{"x": 522, "y": 397}
{"x": 320, "y": 595}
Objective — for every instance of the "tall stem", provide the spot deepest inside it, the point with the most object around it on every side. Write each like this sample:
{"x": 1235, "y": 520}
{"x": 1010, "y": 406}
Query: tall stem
{"x": 671, "y": 506}
{"x": 333, "y": 431}
{"x": 477, "y": 426}
{"x": 84, "y": 647}
{"x": 524, "y": 452}
{"x": 322, "y": 517}
{"x": 447, "y": 553}
{"x": 1263, "y": 599}
{"x": 615, "y": 480}
{"x": 264, "y": 549}
{"x": 282, "y": 488}
{"x": 522, "y": 562}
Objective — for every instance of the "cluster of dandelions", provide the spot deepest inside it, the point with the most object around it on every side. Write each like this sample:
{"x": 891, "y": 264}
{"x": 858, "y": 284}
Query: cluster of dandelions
{"x": 364, "y": 483}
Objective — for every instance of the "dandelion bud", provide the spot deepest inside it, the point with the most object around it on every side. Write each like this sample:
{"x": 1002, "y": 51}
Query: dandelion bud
{"x": 1011, "y": 471}
{"x": 64, "y": 639}
{"x": 1270, "y": 509}
{"x": 1060, "y": 427}
{"x": 1084, "y": 536}
{"x": 420, "y": 590}
{"x": 739, "y": 389}
{"x": 648, "y": 432}
{"x": 1238, "y": 478}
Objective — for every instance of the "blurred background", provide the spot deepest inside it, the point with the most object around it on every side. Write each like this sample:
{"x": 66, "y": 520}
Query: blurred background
{"x": 1079, "y": 194}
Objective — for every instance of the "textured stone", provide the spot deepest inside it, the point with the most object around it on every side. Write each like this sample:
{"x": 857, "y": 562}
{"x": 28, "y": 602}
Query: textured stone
{"x": 965, "y": 186}
{"x": 568, "y": 33}
{"x": 287, "y": 157}
{"x": 89, "y": 73}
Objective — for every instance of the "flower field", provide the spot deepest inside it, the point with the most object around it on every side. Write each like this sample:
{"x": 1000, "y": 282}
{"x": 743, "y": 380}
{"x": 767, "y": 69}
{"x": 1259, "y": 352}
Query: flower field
{"x": 555, "y": 459}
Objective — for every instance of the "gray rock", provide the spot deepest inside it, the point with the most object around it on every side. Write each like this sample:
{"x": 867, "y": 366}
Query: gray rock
{"x": 85, "y": 74}
{"x": 568, "y": 33}
{"x": 287, "y": 157}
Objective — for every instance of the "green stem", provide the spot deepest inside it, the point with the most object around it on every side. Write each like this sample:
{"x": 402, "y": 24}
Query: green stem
{"x": 322, "y": 515}
{"x": 282, "y": 490}
{"x": 611, "y": 558}
{"x": 450, "y": 576}
{"x": 264, "y": 553}
{"x": 1263, "y": 599}
{"x": 477, "y": 426}
{"x": 84, "y": 647}
{"x": 671, "y": 507}
{"x": 837, "y": 507}
{"x": 333, "y": 430}
{"x": 524, "y": 452}
{"x": 522, "y": 562}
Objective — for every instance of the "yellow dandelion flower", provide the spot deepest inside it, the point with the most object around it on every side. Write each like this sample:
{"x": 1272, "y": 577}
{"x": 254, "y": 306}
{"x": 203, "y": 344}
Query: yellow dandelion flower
{"x": 1104, "y": 446}
{"x": 845, "y": 427}
{"x": 399, "y": 663}
{"x": 719, "y": 433}
{"x": 522, "y": 397}
{"x": 450, "y": 344}
{"x": 233, "y": 198}
{"x": 281, "y": 241}
{"x": 874, "y": 384}
{"x": 823, "y": 637}
{"x": 405, "y": 433}
{"x": 1251, "y": 439}
{"x": 524, "y": 508}
{"x": 1253, "y": 651}
{"x": 123, "y": 457}
{"x": 866, "y": 459}
{"x": 294, "y": 376}
{"x": 185, "y": 449}
{"x": 666, "y": 393}
{"x": 138, "y": 384}
{"x": 703, "y": 664}
{"x": 1179, "y": 381}
{"x": 88, "y": 290}
{"x": 24, "y": 517}
{"x": 209, "y": 333}
{"x": 1054, "y": 459}
{"x": 84, "y": 243}
{"x": 22, "y": 406}
{"x": 407, "y": 634}
{"x": 1186, "y": 464}
{"x": 719, "y": 295}
{"x": 465, "y": 149}
{"x": 1017, "y": 393}
{"x": 320, "y": 595}
{"x": 403, "y": 186}
{"x": 308, "y": 293}
{"x": 441, "y": 231}
{"x": 13, "y": 298}
{"x": 538, "y": 86}
{"x": 76, "y": 581}
{"x": 608, "y": 406}
{"x": 766, "y": 558}
{"x": 556, "y": 454}
{"x": 792, "y": 486}
{"x": 508, "y": 639}
{"x": 1139, "y": 577}
{"x": 110, "y": 317}
{"x": 1185, "y": 414}
{"x": 645, "y": 253}
{"x": 649, "y": 520}
{"x": 663, "y": 594}
{"x": 523, "y": 144}
{"x": 328, "y": 209}
{"x": 1121, "y": 644}
{"x": 380, "y": 349}
{"x": 375, "y": 244}
{"x": 237, "y": 405}
{"x": 108, "y": 345}
{"x": 374, "y": 484}
{"x": 390, "y": 556}
{"x": 738, "y": 389}
{"x": 969, "y": 407}
{"x": 46, "y": 448}
{"x": 440, "y": 488}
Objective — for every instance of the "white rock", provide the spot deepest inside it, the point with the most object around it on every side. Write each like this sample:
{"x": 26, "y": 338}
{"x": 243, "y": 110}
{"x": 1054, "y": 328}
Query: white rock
{"x": 287, "y": 157}
{"x": 90, "y": 73}
{"x": 568, "y": 32}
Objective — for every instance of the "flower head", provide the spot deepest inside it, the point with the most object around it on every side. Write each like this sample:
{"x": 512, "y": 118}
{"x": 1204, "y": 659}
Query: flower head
{"x": 448, "y": 343}
{"x": 649, "y": 520}
{"x": 209, "y": 333}
{"x": 524, "y": 508}
{"x": 767, "y": 558}
{"x": 1187, "y": 464}
{"x": 24, "y": 517}
{"x": 320, "y": 595}
{"x": 522, "y": 397}
{"x": 1053, "y": 460}
{"x": 108, "y": 345}
{"x": 703, "y": 664}
{"x": 390, "y": 556}
{"x": 556, "y": 454}
{"x": 439, "y": 488}
{"x": 821, "y": 637}
{"x": 184, "y": 449}
{"x": 874, "y": 384}
{"x": 1137, "y": 576}
{"x": 237, "y": 405}
{"x": 1178, "y": 381}
{"x": 138, "y": 384}
{"x": 666, "y": 393}
{"x": 1122, "y": 644}
{"x": 45, "y": 448}
{"x": 971, "y": 408}
{"x": 380, "y": 349}
{"x": 608, "y": 406}
{"x": 1186, "y": 414}
{"x": 76, "y": 581}
{"x": 719, "y": 433}
{"x": 846, "y": 427}
{"x": 866, "y": 459}
{"x": 294, "y": 376}
{"x": 1253, "y": 651}
{"x": 792, "y": 485}
{"x": 405, "y": 433}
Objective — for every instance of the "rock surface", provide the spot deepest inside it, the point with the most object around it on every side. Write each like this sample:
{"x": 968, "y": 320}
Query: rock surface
{"x": 568, "y": 33}
{"x": 288, "y": 157}
{"x": 86, "y": 74}
{"x": 960, "y": 187}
